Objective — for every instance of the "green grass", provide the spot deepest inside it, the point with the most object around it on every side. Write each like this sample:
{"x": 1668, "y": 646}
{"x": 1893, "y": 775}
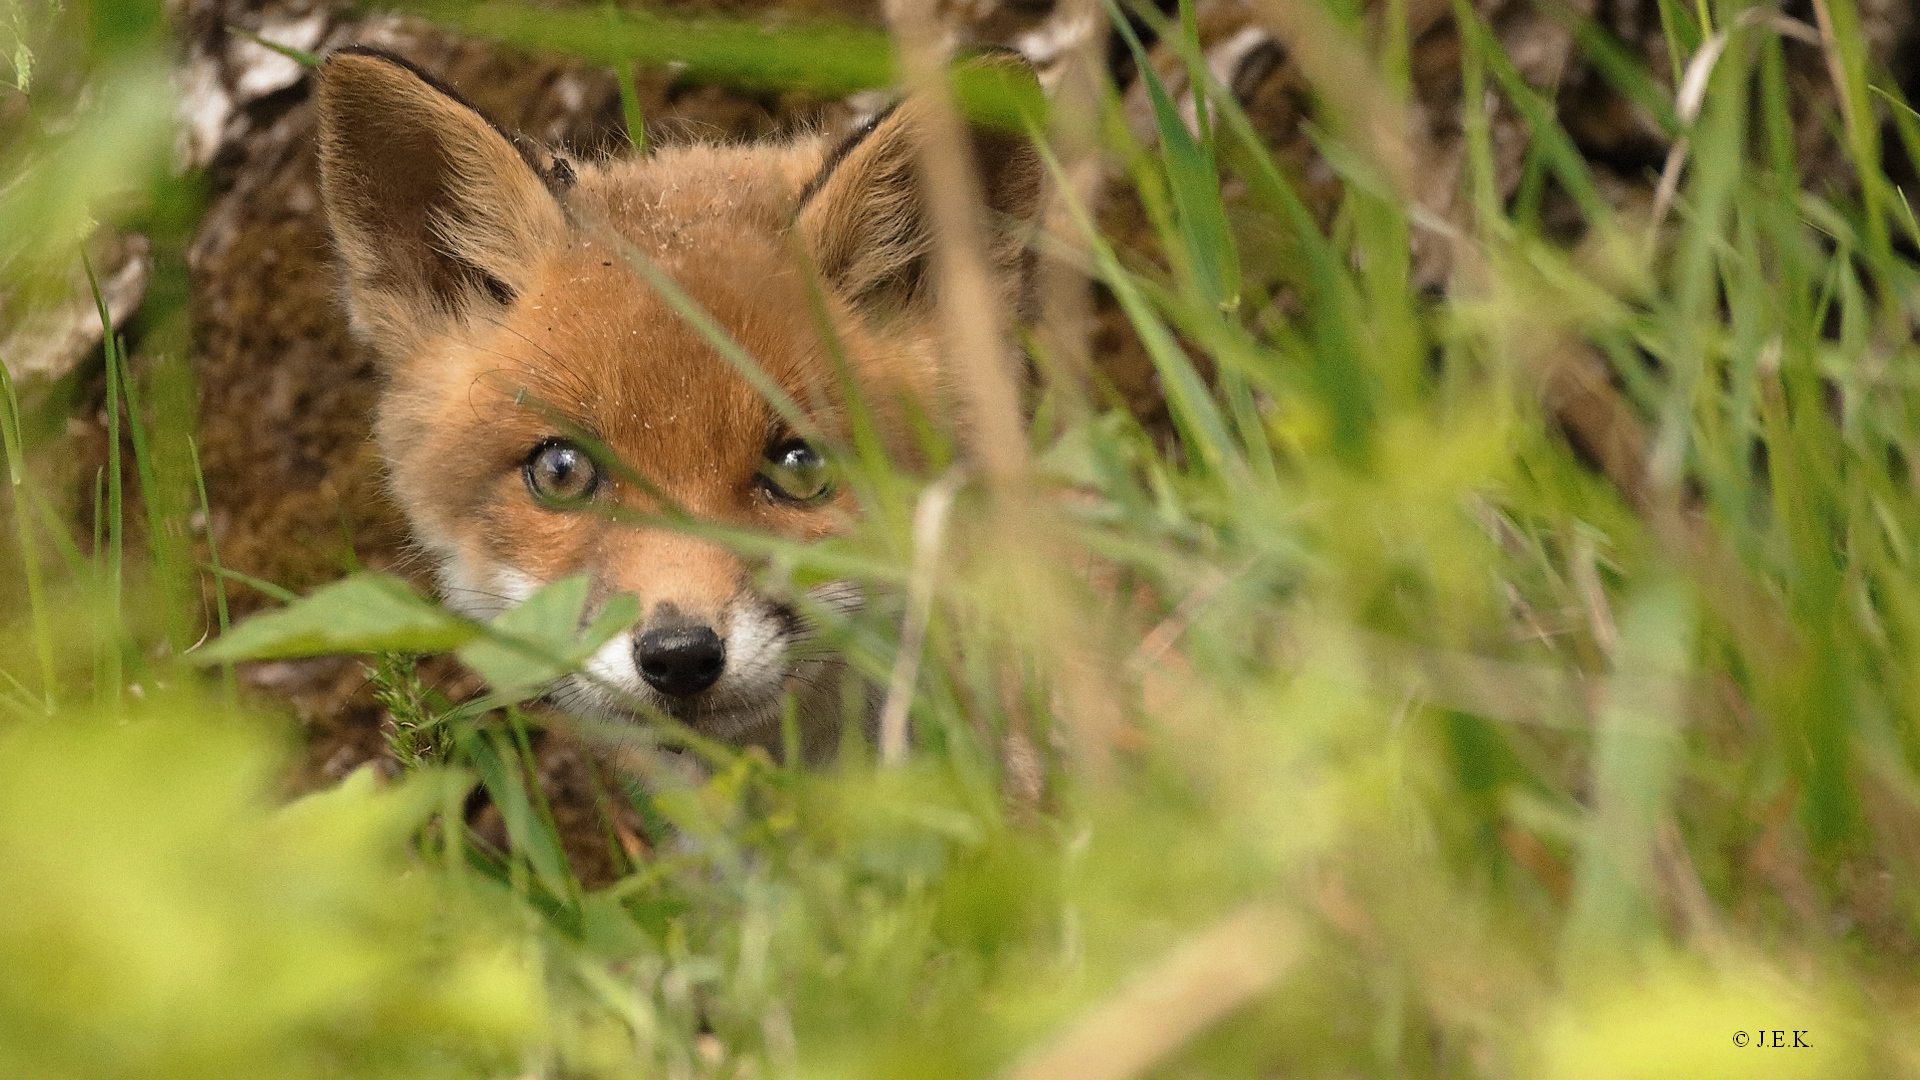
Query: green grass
{"x": 1393, "y": 739}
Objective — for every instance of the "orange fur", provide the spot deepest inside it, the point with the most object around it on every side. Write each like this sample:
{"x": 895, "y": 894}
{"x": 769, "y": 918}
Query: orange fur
{"x": 499, "y": 288}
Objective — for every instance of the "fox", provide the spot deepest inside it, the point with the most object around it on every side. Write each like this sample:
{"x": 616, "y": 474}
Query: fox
{"x": 539, "y": 394}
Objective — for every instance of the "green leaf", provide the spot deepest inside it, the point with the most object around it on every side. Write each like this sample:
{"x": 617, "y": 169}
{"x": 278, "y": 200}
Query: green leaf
{"x": 1551, "y": 140}
{"x": 828, "y": 58}
{"x": 1637, "y": 750}
{"x": 541, "y": 640}
{"x": 365, "y": 613}
{"x": 1194, "y": 180}
{"x": 997, "y": 92}
{"x": 298, "y": 56}
{"x": 492, "y": 754}
{"x": 619, "y": 613}
{"x": 1623, "y": 67}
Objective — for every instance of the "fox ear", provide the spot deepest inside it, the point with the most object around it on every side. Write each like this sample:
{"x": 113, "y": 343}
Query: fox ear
{"x": 434, "y": 211}
{"x": 865, "y": 222}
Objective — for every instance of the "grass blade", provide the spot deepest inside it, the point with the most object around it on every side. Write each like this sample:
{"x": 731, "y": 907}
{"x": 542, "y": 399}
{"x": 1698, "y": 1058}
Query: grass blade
{"x": 111, "y": 677}
{"x": 219, "y": 572}
{"x": 29, "y": 547}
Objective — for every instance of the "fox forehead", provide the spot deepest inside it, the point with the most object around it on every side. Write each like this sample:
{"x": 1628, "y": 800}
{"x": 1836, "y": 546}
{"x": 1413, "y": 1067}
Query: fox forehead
{"x": 689, "y": 198}
{"x": 591, "y": 348}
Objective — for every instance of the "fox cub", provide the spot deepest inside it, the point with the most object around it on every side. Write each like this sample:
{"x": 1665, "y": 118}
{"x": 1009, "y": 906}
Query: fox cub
{"x": 524, "y": 353}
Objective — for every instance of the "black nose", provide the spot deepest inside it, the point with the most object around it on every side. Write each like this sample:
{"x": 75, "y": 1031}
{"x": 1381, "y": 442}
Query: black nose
{"x": 680, "y": 660}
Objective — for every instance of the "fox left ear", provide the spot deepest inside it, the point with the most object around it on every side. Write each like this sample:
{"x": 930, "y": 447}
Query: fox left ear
{"x": 865, "y": 222}
{"x": 435, "y": 213}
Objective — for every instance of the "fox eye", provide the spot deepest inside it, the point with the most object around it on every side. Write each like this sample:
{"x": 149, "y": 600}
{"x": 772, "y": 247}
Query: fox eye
{"x": 559, "y": 471}
{"x": 795, "y": 472}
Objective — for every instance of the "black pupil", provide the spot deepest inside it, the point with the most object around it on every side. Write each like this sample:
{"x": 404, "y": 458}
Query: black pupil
{"x": 561, "y": 470}
{"x": 797, "y": 471}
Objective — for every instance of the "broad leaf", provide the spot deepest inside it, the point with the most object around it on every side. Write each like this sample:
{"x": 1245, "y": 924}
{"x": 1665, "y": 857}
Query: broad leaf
{"x": 541, "y": 639}
{"x": 365, "y": 613}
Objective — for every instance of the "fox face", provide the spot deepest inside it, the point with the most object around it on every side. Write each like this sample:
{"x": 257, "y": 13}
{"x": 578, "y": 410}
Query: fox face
{"x": 545, "y": 404}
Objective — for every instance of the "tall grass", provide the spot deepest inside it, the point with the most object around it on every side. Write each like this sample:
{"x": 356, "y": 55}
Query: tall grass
{"x": 1359, "y": 728}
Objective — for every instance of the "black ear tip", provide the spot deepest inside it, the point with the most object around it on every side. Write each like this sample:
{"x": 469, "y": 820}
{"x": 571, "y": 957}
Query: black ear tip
{"x": 1005, "y": 56}
{"x": 366, "y": 50}
{"x": 329, "y": 72}
{"x": 366, "y": 65}
{"x": 1002, "y": 64}
{"x": 999, "y": 89}
{"x": 389, "y": 59}
{"x": 350, "y": 53}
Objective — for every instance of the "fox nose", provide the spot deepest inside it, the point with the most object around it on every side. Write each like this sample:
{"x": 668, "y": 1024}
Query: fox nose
{"x": 680, "y": 660}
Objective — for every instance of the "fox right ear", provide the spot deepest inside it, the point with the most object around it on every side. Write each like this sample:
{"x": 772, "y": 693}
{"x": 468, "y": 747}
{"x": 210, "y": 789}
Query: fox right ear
{"x": 435, "y": 214}
{"x": 863, "y": 217}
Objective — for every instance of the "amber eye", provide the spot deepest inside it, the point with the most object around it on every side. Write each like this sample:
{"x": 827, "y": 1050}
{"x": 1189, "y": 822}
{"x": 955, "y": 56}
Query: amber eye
{"x": 559, "y": 471}
{"x": 795, "y": 471}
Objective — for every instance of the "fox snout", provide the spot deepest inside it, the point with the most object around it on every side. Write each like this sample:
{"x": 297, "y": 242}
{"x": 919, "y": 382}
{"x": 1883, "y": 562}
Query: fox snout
{"x": 725, "y": 672}
{"x": 680, "y": 661}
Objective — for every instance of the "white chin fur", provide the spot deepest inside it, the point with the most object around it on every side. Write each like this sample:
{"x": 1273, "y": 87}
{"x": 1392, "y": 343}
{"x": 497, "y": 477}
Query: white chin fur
{"x": 484, "y": 591}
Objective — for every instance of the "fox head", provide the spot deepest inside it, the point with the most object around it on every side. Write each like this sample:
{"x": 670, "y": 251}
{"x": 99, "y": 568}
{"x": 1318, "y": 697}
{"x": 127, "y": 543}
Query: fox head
{"x": 540, "y": 395}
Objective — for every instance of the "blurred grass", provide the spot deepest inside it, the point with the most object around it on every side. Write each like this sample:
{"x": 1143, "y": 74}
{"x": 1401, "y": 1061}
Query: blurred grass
{"x": 1392, "y": 739}
{"x": 171, "y": 922}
